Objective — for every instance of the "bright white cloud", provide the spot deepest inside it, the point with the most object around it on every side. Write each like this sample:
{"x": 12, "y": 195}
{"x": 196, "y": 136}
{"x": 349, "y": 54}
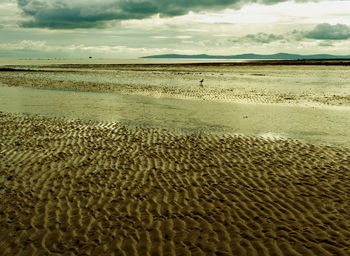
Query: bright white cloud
{"x": 24, "y": 45}
{"x": 83, "y": 50}
{"x": 9, "y": 14}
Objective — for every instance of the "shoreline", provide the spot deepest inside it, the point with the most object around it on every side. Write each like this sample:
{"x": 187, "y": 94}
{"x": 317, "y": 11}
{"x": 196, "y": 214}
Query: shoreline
{"x": 147, "y": 62}
{"x": 247, "y": 84}
{"x": 102, "y": 188}
{"x": 173, "y": 95}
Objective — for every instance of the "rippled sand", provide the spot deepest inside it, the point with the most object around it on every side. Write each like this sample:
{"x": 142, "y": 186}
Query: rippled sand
{"x": 90, "y": 188}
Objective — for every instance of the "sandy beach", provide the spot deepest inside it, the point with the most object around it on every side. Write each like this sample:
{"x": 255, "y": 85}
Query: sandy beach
{"x": 308, "y": 83}
{"x": 71, "y": 187}
{"x": 174, "y": 128}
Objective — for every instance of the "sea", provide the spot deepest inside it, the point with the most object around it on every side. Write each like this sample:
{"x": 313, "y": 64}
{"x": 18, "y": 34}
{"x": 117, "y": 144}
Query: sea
{"x": 311, "y": 124}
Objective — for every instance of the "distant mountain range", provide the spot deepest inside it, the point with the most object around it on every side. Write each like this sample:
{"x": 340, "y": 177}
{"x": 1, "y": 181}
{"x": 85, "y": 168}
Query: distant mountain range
{"x": 277, "y": 56}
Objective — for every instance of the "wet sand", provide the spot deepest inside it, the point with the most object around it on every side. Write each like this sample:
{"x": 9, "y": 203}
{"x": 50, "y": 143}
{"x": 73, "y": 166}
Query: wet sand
{"x": 98, "y": 188}
{"x": 307, "y": 83}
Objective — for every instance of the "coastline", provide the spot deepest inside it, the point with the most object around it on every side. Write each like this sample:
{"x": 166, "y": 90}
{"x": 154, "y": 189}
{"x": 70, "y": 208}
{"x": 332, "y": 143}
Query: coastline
{"x": 223, "y": 82}
{"x": 70, "y": 186}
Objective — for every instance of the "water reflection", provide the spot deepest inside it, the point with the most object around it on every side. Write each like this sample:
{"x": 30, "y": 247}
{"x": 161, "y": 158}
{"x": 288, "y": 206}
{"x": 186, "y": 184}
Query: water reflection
{"x": 315, "y": 125}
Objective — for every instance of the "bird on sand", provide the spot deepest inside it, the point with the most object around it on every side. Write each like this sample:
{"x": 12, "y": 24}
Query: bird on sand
{"x": 201, "y": 83}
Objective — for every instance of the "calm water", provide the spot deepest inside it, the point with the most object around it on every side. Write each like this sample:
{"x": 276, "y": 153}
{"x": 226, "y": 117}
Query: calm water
{"x": 44, "y": 61}
{"x": 315, "y": 125}
{"x": 309, "y": 80}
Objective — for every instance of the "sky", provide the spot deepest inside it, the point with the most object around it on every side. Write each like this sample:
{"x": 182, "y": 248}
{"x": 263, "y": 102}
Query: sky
{"x": 135, "y": 28}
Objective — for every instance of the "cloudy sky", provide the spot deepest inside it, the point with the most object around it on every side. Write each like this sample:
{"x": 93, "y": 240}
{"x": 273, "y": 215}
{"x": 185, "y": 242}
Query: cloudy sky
{"x": 134, "y": 28}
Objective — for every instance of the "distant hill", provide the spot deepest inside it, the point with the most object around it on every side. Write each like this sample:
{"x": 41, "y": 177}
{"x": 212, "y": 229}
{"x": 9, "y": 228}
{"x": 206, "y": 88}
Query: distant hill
{"x": 277, "y": 56}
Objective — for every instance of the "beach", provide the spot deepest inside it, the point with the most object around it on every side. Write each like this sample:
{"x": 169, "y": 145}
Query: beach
{"x": 70, "y": 186}
{"x": 314, "y": 83}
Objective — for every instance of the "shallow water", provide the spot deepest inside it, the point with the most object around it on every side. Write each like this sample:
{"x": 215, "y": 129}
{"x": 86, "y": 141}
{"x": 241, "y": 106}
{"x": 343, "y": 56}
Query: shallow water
{"x": 300, "y": 80}
{"x": 48, "y": 61}
{"x": 314, "y": 125}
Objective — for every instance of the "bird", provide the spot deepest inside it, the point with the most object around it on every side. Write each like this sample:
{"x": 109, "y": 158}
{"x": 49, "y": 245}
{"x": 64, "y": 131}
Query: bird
{"x": 201, "y": 83}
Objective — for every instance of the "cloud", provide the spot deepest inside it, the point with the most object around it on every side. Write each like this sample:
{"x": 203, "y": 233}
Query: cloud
{"x": 24, "y": 45}
{"x": 261, "y": 38}
{"x": 326, "y": 31}
{"x": 68, "y": 14}
{"x": 42, "y": 49}
{"x": 326, "y": 44}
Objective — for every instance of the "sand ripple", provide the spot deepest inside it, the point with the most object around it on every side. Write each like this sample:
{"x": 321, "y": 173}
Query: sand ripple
{"x": 87, "y": 188}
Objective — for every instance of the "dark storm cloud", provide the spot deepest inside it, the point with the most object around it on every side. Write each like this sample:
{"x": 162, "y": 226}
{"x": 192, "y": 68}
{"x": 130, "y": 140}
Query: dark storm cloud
{"x": 62, "y": 14}
{"x": 326, "y": 31}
